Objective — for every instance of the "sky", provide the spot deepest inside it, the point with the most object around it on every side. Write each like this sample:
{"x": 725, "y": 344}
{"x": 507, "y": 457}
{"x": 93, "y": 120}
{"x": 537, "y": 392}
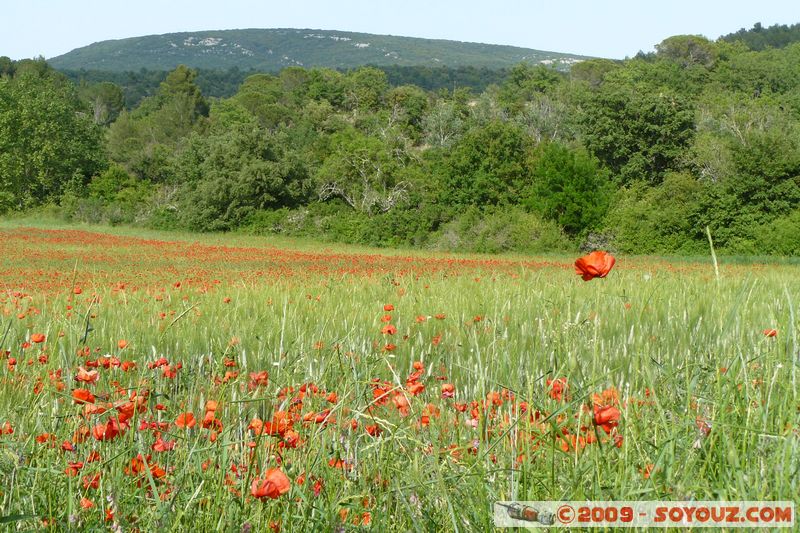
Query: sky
{"x": 602, "y": 28}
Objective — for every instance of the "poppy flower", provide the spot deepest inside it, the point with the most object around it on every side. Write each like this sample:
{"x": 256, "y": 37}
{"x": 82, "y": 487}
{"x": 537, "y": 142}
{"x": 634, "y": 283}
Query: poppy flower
{"x": 771, "y": 332}
{"x": 595, "y": 265}
{"x": 161, "y": 445}
{"x": 281, "y": 422}
{"x": 388, "y": 329}
{"x": 606, "y": 416}
{"x": 558, "y": 387}
{"x": 38, "y": 338}
{"x": 448, "y": 390}
{"x": 274, "y": 484}
{"x": 73, "y": 467}
{"x": 86, "y": 503}
{"x": 45, "y": 437}
{"x": 185, "y": 420}
{"x": 122, "y": 343}
{"x": 91, "y": 481}
{"x": 82, "y": 396}
{"x": 401, "y": 402}
{"x": 106, "y": 431}
{"x": 87, "y": 377}
{"x": 415, "y": 388}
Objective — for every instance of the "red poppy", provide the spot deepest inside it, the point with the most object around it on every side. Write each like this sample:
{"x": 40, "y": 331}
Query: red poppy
{"x": 45, "y": 437}
{"x": 388, "y": 329}
{"x": 82, "y": 396}
{"x": 185, "y": 420}
{"x": 606, "y": 416}
{"x": 281, "y": 422}
{"x": 38, "y": 338}
{"x": 88, "y": 377}
{"x": 122, "y": 343}
{"x": 91, "y": 481}
{"x": 595, "y": 265}
{"x": 647, "y": 470}
{"x": 274, "y": 484}
{"x": 161, "y": 445}
{"x": 401, "y": 402}
{"x": 106, "y": 431}
{"x": 771, "y": 332}
{"x": 448, "y": 390}
{"x": 415, "y": 388}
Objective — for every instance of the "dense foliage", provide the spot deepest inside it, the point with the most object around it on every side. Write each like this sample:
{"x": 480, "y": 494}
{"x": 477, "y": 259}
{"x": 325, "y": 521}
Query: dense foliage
{"x": 639, "y": 155}
{"x": 137, "y": 85}
{"x": 759, "y": 37}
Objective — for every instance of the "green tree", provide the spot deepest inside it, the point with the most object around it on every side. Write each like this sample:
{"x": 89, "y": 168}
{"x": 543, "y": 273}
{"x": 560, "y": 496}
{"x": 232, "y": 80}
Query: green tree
{"x": 592, "y": 71}
{"x": 105, "y": 99}
{"x": 365, "y": 89}
{"x": 408, "y": 106}
{"x": 443, "y": 124}
{"x": 569, "y": 188}
{"x": 525, "y": 81}
{"x": 661, "y": 219}
{"x": 48, "y": 141}
{"x": 144, "y": 140}
{"x": 688, "y": 50}
{"x": 263, "y": 95}
{"x": 490, "y": 165}
{"x": 367, "y": 173}
{"x": 327, "y": 84}
{"x": 639, "y": 134}
{"x": 235, "y": 170}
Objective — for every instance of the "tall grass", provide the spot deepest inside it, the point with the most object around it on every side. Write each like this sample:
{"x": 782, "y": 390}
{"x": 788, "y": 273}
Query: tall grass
{"x": 709, "y": 404}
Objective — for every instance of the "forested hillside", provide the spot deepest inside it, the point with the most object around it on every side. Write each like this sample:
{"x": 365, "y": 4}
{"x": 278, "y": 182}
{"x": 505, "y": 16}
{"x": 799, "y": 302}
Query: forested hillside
{"x": 639, "y": 155}
{"x": 274, "y": 49}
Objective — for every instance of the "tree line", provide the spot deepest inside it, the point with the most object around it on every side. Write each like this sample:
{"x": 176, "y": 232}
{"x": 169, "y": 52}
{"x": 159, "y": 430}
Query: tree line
{"x": 138, "y": 85}
{"x": 637, "y": 155}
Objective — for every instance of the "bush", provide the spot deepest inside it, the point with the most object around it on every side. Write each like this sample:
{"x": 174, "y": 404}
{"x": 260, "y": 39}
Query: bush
{"x": 502, "y": 230}
{"x": 569, "y": 188}
{"x": 115, "y": 197}
{"x": 781, "y": 236}
{"x": 662, "y": 219}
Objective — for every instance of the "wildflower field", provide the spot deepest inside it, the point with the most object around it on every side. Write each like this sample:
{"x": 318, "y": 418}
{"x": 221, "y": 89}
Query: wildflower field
{"x": 161, "y": 384}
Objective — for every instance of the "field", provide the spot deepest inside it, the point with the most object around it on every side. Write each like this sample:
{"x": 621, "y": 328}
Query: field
{"x": 161, "y": 383}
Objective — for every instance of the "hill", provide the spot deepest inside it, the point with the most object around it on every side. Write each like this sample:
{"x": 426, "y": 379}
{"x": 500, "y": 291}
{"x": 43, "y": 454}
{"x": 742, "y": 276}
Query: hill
{"x": 274, "y": 49}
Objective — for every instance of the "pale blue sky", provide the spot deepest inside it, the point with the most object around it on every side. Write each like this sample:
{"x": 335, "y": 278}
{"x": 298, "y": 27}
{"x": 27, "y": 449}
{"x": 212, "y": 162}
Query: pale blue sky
{"x": 606, "y": 28}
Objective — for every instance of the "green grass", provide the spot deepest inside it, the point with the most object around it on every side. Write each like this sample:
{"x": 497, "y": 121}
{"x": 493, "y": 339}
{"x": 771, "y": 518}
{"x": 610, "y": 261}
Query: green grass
{"x": 658, "y": 331}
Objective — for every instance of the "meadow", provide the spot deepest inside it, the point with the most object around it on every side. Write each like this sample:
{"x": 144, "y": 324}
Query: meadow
{"x": 166, "y": 382}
